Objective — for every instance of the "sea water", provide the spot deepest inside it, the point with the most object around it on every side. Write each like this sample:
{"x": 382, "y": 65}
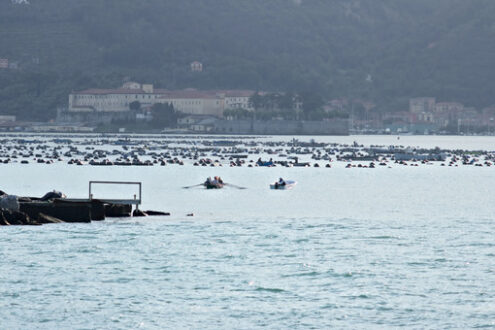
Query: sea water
{"x": 346, "y": 248}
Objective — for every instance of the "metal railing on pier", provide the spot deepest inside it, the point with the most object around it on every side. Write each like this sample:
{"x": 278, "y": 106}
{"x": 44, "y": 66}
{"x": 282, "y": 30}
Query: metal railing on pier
{"x": 134, "y": 201}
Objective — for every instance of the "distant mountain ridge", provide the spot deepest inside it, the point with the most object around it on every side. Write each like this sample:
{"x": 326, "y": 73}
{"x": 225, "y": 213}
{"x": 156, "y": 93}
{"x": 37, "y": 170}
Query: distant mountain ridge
{"x": 385, "y": 50}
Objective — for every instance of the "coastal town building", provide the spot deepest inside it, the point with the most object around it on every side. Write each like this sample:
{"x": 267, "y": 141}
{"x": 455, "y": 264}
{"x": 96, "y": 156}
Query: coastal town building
{"x": 196, "y": 66}
{"x": 110, "y": 100}
{"x": 426, "y": 117}
{"x": 422, "y": 104}
{"x": 237, "y": 99}
{"x": 7, "y": 118}
{"x": 131, "y": 85}
{"x": 193, "y": 102}
{"x": 338, "y": 104}
{"x": 104, "y": 105}
{"x": 4, "y": 63}
{"x": 448, "y": 107}
{"x": 451, "y": 117}
{"x": 488, "y": 116}
{"x": 441, "y": 114}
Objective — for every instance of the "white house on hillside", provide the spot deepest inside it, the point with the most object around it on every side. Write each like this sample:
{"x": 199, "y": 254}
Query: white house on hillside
{"x": 188, "y": 101}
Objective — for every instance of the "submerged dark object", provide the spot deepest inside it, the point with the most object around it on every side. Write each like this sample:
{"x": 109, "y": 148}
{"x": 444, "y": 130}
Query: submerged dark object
{"x": 153, "y": 213}
{"x": 139, "y": 213}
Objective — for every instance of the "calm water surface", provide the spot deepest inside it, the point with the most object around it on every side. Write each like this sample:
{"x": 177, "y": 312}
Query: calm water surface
{"x": 353, "y": 248}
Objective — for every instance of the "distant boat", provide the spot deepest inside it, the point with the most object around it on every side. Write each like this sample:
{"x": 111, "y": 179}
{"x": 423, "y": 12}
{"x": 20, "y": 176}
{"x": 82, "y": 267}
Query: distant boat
{"x": 262, "y": 163}
{"x": 289, "y": 184}
{"x": 213, "y": 185}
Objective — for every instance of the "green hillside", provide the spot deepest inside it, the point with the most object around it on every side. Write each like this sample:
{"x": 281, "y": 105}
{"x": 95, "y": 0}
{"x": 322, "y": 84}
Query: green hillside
{"x": 442, "y": 48}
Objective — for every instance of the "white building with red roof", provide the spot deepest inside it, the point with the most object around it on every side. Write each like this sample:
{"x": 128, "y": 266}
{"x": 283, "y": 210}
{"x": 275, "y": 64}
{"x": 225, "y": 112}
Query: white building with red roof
{"x": 188, "y": 101}
{"x": 112, "y": 100}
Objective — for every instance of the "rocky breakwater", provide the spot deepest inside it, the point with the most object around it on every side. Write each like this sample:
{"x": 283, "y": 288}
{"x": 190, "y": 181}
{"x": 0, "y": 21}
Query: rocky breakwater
{"x": 11, "y": 214}
{"x": 55, "y": 208}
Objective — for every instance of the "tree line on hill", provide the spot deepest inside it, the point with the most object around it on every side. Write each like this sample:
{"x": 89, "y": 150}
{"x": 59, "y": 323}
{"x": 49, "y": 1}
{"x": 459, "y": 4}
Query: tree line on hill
{"x": 385, "y": 51}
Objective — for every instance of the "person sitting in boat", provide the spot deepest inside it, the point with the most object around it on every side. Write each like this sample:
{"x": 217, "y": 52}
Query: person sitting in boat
{"x": 220, "y": 180}
{"x": 281, "y": 182}
{"x": 216, "y": 181}
{"x": 208, "y": 181}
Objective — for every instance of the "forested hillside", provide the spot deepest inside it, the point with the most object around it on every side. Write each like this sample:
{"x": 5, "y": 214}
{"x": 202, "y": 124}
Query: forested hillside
{"x": 382, "y": 50}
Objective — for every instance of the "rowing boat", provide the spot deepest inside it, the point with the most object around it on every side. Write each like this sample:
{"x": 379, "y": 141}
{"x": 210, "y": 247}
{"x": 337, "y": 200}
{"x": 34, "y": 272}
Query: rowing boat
{"x": 213, "y": 185}
{"x": 289, "y": 184}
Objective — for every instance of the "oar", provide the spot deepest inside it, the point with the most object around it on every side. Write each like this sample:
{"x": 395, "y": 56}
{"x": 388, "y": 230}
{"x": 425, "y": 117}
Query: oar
{"x": 233, "y": 185}
{"x": 196, "y": 185}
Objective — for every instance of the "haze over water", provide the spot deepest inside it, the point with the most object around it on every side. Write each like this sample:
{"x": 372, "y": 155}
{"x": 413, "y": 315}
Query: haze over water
{"x": 346, "y": 248}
